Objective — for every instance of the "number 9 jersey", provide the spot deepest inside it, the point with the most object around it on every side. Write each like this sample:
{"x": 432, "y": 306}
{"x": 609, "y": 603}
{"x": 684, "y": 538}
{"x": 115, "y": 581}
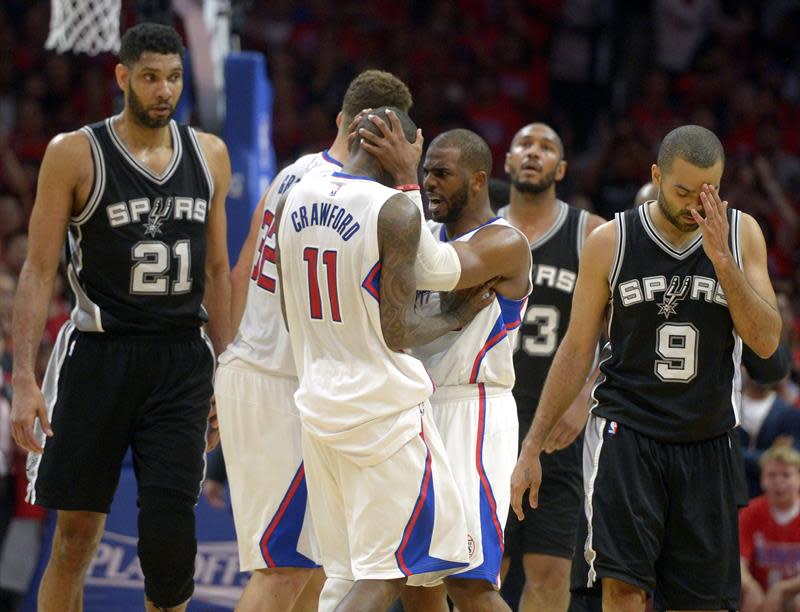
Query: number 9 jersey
{"x": 672, "y": 374}
{"x": 137, "y": 250}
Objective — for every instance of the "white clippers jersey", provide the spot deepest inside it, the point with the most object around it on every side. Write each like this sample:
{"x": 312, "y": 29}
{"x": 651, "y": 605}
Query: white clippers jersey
{"x": 355, "y": 394}
{"x": 262, "y": 340}
{"x": 481, "y": 352}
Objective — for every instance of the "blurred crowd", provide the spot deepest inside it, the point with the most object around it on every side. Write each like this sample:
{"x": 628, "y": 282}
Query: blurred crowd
{"x": 612, "y": 77}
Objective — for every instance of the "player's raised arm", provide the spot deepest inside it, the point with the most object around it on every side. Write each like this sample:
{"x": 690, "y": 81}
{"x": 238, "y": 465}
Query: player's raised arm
{"x": 572, "y": 361}
{"x": 64, "y": 180}
{"x": 501, "y": 253}
{"x": 398, "y": 239}
{"x": 751, "y": 299}
{"x": 217, "y": 298}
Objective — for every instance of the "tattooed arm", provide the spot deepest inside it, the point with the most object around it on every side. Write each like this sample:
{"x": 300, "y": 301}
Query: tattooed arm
{"x": 398, "y": 238}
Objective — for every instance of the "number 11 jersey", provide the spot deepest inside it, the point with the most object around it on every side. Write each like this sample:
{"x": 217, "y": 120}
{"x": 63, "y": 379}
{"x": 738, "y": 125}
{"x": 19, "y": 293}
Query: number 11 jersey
{"x": 356, "y": 395}
{"x": 673, "y": 370}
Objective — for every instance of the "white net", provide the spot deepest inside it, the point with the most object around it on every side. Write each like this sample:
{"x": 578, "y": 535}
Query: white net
{"x": 84, "y": 26}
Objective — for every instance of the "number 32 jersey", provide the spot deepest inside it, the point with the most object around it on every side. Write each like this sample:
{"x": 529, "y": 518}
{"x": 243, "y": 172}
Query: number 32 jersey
{"x": 673, "y": 370}
{"x": 137, "y": 250}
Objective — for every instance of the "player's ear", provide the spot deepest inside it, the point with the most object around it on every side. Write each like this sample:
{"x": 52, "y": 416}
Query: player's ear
{"x": 339, "y": 119}
{"x": 561, "y": 170}
{"x": 506, "y": 167}
{"x": 122, "y": 74}
{"x": 478, "y": 180}
{"x": 655, "y": 174}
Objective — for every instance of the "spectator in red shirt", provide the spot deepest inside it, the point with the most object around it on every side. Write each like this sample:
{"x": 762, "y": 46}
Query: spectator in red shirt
{"x": 769, "y": 533}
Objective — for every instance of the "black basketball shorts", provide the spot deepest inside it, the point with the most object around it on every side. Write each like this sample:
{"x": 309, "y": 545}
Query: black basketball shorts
{"x": 106, "y": 393}
{"x": 551, "y": 528}
{"x": 660, "y": 516}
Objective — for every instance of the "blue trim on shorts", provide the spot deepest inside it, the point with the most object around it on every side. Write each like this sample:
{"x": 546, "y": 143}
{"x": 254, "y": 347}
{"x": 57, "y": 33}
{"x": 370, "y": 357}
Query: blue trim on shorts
{"x": 413, "y": 553}
{"x": 279, "y": 543}
{"x": 491, "y": 530}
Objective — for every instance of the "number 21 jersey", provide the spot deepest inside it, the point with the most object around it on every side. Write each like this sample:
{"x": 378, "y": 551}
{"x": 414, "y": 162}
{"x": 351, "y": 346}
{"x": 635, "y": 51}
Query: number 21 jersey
{"x": 137, "y": 250}
{"x": 674, "y": 363}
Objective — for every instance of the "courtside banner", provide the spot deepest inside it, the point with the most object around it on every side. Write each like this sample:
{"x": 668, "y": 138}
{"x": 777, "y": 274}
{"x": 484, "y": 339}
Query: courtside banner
{"x": 248, "y": 134}
{"x": 114, "y": 580}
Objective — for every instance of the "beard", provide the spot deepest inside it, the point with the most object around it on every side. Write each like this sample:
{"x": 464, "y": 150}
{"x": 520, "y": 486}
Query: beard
{"x": 674, "y": 219}
{"x": 534, "y": 187}
{"x": 455, "y": 206}
{"x": 140, "y": 114}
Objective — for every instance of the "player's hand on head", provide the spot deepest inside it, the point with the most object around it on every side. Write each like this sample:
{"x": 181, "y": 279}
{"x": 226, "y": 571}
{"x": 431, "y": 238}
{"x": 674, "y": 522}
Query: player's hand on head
{"x": 212, "y": 429}
{"x": 28, "y": 405}
{"x": 714, "y": 227}
{"x": 399, "y": 157}
{"x": 527, "y": 475}
{"x": 351, "y": 128}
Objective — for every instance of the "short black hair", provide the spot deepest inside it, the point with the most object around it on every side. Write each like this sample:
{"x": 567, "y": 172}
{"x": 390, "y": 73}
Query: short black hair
{"x": 374, "y": 88}
{"x": 149, "y": 37}
{"x": 407, "y": 124}
{"x": 693, "y": 143}
{"x": 474, "y": 153}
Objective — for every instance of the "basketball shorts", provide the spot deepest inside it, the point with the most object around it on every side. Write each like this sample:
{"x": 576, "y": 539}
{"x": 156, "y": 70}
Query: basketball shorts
{"x": 399, "y": 518}
{"x": 662, "y": 517}
{"x": 551, "y": 528}
{"x": 478, "y": 424}
{"x": 105, "y": 393}
{"x": 260, "y": 435}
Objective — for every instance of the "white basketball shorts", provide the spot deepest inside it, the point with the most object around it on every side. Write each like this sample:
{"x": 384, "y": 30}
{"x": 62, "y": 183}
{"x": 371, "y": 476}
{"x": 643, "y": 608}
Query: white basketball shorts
{"x": 478, "y": 424}
{"x": 399, "y": 518}
{"x": 260, "y": 435}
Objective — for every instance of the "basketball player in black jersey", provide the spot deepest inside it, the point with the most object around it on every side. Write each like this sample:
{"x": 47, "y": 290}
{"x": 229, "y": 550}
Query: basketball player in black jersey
{"x": 556, "y": 232}
{"x": 687, "y": 283}
{"x": 142, "y": 201}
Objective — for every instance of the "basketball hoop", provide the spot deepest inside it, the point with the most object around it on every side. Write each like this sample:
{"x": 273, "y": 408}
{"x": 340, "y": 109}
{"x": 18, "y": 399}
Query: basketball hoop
{"x": 84, "y": 26}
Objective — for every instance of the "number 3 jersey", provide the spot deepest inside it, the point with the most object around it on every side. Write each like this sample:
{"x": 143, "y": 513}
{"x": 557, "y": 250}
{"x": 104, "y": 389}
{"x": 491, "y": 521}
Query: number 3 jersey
{"x": 356, "y": 395}
{"x": 137, "y": 250}
{"x": 673, "y": 370}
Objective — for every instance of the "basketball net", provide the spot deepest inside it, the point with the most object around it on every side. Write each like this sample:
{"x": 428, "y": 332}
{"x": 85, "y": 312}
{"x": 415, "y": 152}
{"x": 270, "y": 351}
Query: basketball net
{"x": 84, "y": 26}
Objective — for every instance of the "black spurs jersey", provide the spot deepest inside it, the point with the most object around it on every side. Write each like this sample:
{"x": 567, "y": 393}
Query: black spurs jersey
{"x": 555, "y": 269}
{"x": 672, "y": 373}
{"x": 137, "y": 250}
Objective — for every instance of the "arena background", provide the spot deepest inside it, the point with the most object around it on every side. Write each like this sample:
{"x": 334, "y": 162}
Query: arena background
{"x": 611, "y": 76}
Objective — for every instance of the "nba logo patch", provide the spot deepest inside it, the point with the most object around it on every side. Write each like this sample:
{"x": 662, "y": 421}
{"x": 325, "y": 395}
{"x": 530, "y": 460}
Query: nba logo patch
{"x": 612, "y": 428}
{"x": 470, "y": 546}
{"x": 335, "y": 188}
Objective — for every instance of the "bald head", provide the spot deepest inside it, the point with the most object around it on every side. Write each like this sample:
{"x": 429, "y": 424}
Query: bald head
{"x": 646, "y": 192}
{"x": 474, "y": 153}
{"x": 540, "y": 128}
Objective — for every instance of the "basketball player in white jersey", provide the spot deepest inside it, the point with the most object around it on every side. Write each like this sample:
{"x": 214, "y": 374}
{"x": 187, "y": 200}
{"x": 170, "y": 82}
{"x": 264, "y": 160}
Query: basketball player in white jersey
{"x": 382, "y": 496}
{"x": 256, "y": 381}
{"x": 473, "y": 367}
